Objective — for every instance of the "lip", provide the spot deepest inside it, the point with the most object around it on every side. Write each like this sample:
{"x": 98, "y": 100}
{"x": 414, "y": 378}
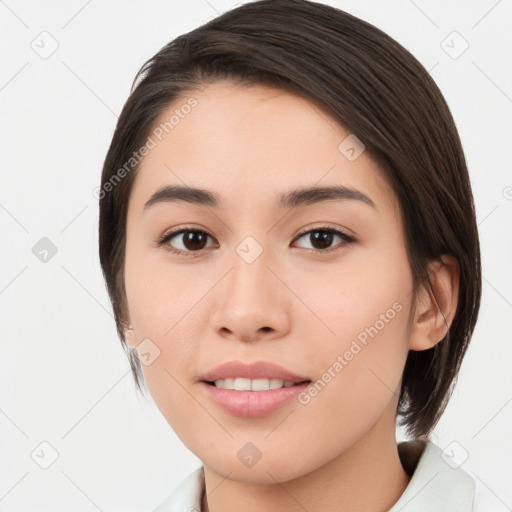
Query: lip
{"x": 252, "y": 404}
{"x": 254, "y": 370}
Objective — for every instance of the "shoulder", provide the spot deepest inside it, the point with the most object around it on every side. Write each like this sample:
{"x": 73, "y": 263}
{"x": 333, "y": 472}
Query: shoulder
{"x": 187, "y": 495}
{"x": 485, "y": 499}
{"x": 437, "y": 481}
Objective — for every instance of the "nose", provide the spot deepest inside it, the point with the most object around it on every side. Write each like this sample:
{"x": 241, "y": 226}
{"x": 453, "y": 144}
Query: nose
{"x": 252, "y": 303}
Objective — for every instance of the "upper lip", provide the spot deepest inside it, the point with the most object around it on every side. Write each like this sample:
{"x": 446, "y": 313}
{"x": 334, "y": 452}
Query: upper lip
{"x": 255, "y": 370}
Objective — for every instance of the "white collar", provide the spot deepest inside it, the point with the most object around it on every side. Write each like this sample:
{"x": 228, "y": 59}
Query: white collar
{"x": 435, "y": 484}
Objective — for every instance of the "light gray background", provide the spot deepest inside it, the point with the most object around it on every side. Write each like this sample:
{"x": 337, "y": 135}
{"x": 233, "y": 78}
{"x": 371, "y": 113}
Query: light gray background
{"x": 64, "y": 379}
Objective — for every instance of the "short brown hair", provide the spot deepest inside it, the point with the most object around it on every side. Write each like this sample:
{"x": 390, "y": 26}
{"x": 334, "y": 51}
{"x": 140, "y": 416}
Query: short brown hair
{"x": 377, "y": 90}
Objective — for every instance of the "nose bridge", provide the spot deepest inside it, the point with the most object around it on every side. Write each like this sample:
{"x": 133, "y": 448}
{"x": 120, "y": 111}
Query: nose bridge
{"x": 250, "y": 263}
{"x": 250, "y": 301}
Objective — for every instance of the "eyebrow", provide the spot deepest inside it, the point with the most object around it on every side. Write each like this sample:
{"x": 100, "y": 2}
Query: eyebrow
{"x": 291, "y": 199}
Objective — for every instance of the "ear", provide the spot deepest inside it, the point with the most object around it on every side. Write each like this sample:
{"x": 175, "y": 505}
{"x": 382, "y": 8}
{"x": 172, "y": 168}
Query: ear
{"x": 129, "y": 334}
{"x": 436, "y": 307}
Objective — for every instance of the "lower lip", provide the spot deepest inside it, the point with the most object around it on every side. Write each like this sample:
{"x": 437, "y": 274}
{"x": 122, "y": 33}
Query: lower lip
{"x": 252, "y": 404}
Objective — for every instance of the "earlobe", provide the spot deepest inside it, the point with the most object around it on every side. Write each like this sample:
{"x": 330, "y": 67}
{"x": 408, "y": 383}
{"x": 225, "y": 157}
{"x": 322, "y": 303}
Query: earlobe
{"x": 129, "y": 335}
{"x": 436, "y": 305}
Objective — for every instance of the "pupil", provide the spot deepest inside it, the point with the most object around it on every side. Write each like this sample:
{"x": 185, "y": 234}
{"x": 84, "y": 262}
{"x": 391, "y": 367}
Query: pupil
{"x": 324, "y": 238}
{"x": 191, "y": 240}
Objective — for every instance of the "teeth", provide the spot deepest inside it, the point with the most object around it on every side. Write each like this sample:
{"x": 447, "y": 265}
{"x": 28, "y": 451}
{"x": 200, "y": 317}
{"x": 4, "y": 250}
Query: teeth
{"x": 243, "y": 384}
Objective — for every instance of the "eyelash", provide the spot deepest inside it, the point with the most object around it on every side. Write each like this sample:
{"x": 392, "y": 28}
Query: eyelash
{"x": 166, "y": 237}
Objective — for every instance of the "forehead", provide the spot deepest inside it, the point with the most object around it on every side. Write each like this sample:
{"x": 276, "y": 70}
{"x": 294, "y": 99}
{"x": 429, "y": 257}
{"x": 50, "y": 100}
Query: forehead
{"x": 251, "y": 144}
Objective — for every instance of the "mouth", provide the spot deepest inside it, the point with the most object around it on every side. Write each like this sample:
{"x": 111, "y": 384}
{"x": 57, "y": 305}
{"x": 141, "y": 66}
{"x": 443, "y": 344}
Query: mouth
{"x": 252, "y": 398}
{"x": 245, "y": 384}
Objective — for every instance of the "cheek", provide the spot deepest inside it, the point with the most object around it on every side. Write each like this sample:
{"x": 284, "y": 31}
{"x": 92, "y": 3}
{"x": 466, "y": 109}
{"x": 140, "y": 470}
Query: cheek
{"x": 361, "y": 321}
{"x": 161, "y": 297}
{"x": 161, "y": 308}
{"x": 367, "y": 290}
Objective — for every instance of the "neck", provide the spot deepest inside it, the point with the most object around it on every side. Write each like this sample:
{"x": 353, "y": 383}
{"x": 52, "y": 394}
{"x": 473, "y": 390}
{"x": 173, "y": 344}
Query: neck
{"x": 368, "y": 476}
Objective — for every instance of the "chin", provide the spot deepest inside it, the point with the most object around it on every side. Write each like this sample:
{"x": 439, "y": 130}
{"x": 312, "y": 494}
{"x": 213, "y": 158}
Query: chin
{"x": 269, "y": 471}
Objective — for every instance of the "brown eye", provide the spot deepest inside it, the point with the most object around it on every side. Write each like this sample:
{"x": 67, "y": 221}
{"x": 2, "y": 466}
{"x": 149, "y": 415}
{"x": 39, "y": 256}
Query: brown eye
{"x": 322, "y": 239}
{"x": 187, "y": 240}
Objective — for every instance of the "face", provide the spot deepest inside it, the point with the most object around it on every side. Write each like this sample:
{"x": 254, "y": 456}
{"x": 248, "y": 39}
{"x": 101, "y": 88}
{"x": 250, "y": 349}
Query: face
{"x": 318, "y": 284}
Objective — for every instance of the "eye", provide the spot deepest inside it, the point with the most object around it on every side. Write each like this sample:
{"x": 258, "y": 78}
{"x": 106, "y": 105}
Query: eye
{"x": 321, "y": 238}
{"x": 188, "y": 240}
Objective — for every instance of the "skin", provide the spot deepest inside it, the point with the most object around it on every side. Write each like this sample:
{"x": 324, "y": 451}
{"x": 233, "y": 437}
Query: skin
{"x": 290, "y": 306}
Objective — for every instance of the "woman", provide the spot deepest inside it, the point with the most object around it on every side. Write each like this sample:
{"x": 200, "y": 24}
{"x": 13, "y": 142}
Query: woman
{"x": 288, "y": 238}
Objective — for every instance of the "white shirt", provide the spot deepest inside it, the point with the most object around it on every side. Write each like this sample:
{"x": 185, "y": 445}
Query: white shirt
{"x": 437, "y": 484}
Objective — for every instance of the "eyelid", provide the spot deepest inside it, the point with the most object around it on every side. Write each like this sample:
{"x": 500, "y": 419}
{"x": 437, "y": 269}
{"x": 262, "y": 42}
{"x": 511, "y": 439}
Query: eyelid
{"x": 175, "y": 231}
{"x": 326, "y": 226}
